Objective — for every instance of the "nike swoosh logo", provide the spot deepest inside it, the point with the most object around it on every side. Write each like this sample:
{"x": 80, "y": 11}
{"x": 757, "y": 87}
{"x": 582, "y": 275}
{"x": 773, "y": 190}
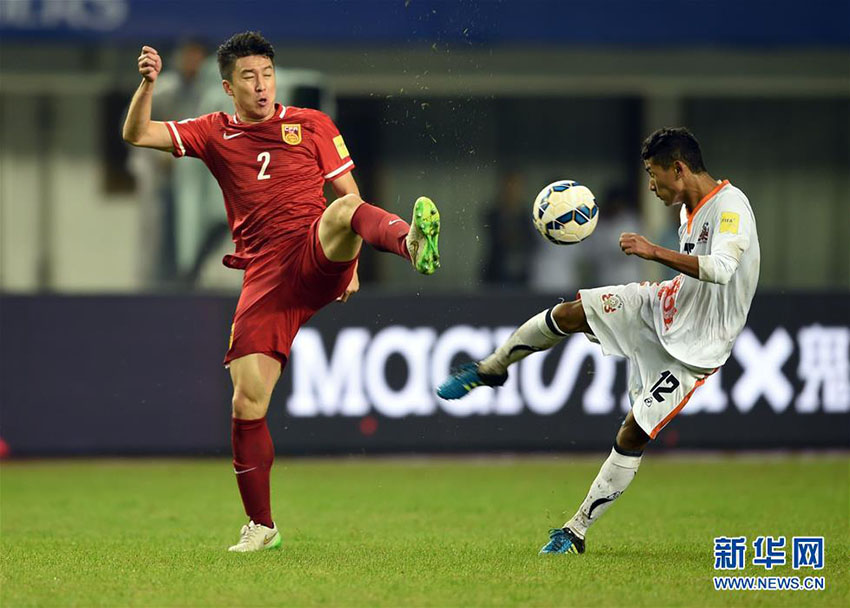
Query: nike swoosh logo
{"x": 601, "y": 501}
{"x": 245, "y": 471}
{"x": 226, "y": 136}
{"x": 393, "y": 222}
{"x": 269, "y": 539}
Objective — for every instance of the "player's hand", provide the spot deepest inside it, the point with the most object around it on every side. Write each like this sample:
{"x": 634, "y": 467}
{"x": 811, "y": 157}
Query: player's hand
{"x": 635, "y": 244}
{"x": 150, "y": 63}
{"x": 353, "y": 287}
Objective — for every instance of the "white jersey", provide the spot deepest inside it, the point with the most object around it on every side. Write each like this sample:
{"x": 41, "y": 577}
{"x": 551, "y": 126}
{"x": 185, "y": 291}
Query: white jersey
{"x": 697, "y": 320}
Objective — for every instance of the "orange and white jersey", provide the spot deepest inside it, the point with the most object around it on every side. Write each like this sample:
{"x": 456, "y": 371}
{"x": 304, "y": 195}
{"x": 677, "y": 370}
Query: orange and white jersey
{"x": 698, "y": 320}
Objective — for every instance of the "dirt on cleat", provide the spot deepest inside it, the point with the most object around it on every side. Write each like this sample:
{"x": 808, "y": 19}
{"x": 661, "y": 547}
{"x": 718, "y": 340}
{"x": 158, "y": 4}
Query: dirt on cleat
{"x": 423, "y": 238}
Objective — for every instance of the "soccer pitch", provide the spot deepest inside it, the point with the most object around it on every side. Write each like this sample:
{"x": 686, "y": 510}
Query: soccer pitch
{"x": 426, "y": 532}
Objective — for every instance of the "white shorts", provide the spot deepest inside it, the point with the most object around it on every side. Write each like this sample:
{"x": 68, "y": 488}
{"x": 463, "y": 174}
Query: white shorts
{"x": 659, "y": 385}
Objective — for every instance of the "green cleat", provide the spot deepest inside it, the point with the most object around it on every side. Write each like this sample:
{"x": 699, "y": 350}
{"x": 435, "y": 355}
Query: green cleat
{"x": 423, "y": 236}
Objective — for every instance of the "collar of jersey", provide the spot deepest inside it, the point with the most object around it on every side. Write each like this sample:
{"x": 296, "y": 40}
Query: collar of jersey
{"x": 235, "y": 117}
{"x": 704, "y": 200}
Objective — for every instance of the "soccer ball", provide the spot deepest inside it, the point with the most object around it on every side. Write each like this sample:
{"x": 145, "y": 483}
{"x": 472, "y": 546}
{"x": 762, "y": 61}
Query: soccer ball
{"x": 565, "y": 212}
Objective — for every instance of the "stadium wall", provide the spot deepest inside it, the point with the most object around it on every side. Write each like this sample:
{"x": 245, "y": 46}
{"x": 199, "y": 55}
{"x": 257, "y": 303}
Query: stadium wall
{"x": 141, "y": 375}
{"x": 450, "y": 122}
{"x": 53, "y": 185}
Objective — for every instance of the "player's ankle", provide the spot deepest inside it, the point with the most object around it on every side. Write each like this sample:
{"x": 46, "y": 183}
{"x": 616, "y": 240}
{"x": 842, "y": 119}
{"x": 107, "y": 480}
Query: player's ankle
{"x": 576, "y": 527}
{"x": 491, "y": 366}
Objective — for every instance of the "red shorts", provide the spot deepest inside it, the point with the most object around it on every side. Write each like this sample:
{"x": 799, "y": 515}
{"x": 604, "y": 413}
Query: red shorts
{"x": 282, "y": 288}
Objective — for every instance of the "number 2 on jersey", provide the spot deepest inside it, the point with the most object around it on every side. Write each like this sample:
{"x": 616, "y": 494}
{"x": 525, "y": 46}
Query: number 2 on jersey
{"x": 263, "y": 157}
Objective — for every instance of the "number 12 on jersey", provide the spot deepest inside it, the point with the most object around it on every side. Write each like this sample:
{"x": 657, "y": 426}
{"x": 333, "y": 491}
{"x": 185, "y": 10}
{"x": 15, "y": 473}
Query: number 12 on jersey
{"x": 667, "y": 383}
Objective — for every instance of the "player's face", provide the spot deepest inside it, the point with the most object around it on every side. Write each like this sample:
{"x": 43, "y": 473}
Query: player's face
{"x": 252, "y": 87}
{"x": 665, "y": 183}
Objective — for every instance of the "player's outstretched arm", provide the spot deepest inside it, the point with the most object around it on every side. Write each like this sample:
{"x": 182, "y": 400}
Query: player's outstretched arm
{"x": 139, "y": 129}
{"x": 635, "y": 244}
{"x": 345, "y": 184}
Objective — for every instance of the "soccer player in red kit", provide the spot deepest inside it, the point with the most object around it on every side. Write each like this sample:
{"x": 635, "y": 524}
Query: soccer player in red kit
{"x": 298, "y": 253}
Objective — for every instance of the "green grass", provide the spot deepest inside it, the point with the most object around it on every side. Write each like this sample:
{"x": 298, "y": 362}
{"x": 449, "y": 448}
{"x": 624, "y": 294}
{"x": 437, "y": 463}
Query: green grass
{"x": 408, "y": 532}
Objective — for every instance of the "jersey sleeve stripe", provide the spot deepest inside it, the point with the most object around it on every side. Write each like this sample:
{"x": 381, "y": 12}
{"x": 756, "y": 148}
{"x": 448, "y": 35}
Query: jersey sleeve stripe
{"x": 336, "y": 172}
{"x": 175, "y": 136}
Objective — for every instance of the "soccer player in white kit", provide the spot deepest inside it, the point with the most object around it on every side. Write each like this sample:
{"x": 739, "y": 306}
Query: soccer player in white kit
{"x": 675, "y": 334}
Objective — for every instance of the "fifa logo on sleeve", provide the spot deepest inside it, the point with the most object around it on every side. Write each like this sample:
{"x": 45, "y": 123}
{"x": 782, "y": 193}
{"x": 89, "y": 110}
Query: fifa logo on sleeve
{"x": 341, "y": 148}
{"x": 729, "y": 222}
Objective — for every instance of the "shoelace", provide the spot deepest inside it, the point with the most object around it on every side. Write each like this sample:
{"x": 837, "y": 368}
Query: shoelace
{"x": 249, "y": 531}
{"x": 466, "y": 371}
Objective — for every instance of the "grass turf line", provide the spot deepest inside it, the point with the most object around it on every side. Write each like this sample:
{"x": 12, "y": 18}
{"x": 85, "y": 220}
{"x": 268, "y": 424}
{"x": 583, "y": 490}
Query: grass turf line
{"x": 438, "y": 532}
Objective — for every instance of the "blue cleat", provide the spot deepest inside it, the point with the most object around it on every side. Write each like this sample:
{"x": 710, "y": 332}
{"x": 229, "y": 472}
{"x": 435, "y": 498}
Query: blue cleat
{"x": 465, "y": 378}
{"x": 563, "y": 540}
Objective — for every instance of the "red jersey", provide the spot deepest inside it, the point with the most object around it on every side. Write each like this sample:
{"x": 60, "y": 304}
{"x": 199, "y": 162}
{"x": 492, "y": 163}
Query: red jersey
{"x": 272, "y": 173}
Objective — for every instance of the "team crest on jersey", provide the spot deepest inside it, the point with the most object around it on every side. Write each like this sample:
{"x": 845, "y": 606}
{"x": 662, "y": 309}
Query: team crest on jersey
{"x": 291, "y": 134}
{"x": 611, "y": 302}
{"x": 667, "y": 294}
{"x": 703, "y": 235}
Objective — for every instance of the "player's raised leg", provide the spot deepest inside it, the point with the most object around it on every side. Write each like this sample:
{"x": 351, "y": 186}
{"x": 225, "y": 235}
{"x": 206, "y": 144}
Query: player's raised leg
{"x": 254, "y": 377}
{"x": 540, "y": 332}
{"x": 349, "y": 220}
{"x": 614, "y": 477}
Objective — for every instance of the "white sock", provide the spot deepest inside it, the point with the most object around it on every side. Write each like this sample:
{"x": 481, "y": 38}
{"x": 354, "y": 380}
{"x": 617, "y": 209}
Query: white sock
{"x": 540, "y": 332}
{"x": 614, "y": 477}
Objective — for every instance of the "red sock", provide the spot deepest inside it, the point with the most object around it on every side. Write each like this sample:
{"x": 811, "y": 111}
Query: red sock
{"x": 253, "y": 454}
{"x": 382, "y": 230}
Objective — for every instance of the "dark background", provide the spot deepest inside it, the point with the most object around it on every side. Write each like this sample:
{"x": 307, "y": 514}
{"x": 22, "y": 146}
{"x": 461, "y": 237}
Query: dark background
{"x": 142, "y": 375}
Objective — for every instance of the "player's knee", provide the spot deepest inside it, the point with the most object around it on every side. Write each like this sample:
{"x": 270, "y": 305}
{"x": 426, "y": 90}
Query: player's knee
{"x": 342, "y": 209}
{"x": 569, "y": 316}
{"x": 631, "y": 437}
{"x": 249, "y": 405}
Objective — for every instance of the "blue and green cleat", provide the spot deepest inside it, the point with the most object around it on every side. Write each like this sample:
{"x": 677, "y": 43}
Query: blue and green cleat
{"x": 465, "y": 378}
{"x": 422, "y": 240}
{"x": 563, "y": 540}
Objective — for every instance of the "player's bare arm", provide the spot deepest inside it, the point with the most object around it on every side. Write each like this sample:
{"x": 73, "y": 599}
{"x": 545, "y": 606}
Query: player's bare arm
{"x": 139, "y": 129}
{"x": 345, "y": 184}
{"x": 635, "y": 244}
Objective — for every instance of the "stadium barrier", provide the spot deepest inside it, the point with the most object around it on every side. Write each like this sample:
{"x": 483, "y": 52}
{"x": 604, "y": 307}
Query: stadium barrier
{"x": 445, "y": 21}
{"x": 142, "y": 375}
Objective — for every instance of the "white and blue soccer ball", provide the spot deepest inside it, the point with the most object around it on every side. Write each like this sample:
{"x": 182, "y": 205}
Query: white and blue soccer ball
{"x": 565, "y": 212}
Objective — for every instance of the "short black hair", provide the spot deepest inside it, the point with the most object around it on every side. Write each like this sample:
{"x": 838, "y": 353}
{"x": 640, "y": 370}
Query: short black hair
{"x": 669, "y": 144}
{"x": 242, "y": 45}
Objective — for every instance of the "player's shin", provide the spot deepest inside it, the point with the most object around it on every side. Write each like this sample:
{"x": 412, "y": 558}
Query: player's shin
{"x": 382, "y": 230}
{"x": 614, "y": 477}
{"x": 540, "y": 332}
{"x": 253, "y": 455}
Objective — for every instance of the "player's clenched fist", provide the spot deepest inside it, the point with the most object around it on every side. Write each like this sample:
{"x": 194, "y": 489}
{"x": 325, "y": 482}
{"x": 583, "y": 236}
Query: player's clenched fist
{"x": 635, "y": 244}
{"x": 150, "y": 63}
